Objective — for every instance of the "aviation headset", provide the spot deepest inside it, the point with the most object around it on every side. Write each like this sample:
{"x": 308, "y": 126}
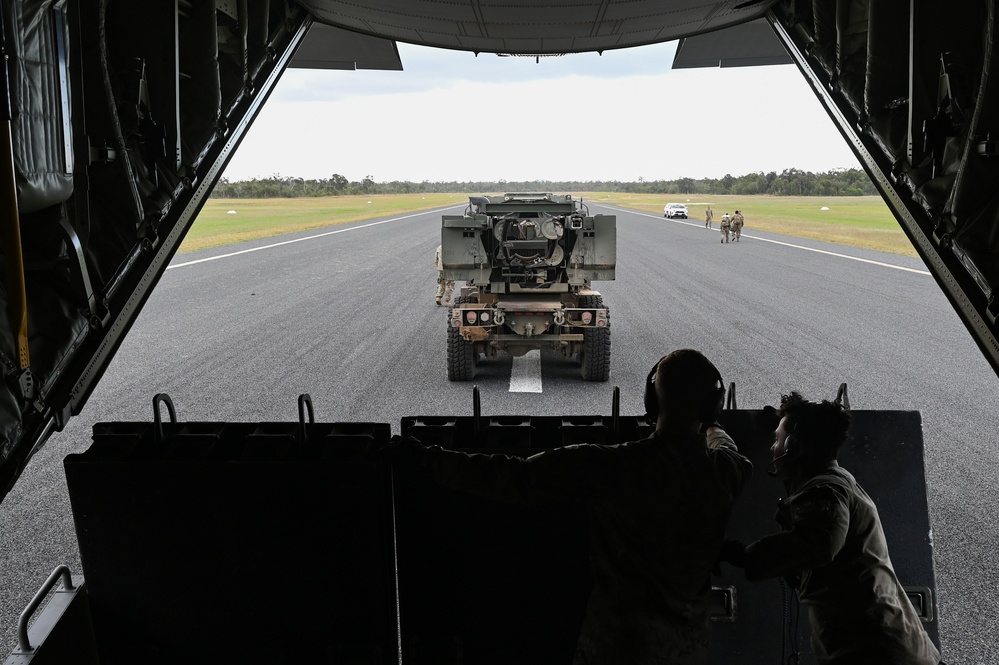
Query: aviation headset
{"x": 707, "y": 411}
{"x": 794, "y": 450}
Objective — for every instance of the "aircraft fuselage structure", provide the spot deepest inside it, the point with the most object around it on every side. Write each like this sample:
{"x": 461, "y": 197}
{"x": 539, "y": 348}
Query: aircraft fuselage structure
{"x": 118, "y": 119}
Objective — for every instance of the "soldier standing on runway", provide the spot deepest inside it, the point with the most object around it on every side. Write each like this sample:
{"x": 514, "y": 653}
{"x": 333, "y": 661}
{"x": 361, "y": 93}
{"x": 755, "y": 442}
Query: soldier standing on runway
{"x": 737, "y": 222}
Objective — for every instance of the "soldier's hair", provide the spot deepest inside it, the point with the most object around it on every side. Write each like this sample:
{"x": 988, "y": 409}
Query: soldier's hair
{"x": 823, "y": 426}
{"x": 685, "y": 379}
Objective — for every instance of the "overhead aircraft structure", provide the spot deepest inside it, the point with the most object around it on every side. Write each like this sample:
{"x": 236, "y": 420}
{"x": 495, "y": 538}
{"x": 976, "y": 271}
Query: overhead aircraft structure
{"x": 119, "y": 117}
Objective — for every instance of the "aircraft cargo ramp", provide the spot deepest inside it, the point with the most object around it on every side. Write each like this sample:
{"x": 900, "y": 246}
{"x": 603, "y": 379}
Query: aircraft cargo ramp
{"x": 207, "y": 542}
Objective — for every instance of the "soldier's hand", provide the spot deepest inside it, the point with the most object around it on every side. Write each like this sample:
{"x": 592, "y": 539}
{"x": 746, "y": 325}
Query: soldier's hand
{"x": 732, "y": 552}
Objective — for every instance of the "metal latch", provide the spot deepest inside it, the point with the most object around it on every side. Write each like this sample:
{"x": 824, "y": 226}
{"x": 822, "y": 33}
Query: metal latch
{"x": 723, "y": 603}
{"x": 921, "y": 598}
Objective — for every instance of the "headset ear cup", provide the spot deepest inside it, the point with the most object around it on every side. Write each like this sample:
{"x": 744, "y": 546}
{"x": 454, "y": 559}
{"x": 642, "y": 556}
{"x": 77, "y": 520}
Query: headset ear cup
{"x": 651, "y": 397}
{"x": 792, "y": 447}
{"x": 716, "y": 400}
{"x": 712, "y": 407}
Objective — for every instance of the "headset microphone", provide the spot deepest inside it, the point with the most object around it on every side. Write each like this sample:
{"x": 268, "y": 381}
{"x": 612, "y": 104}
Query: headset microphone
{"x": 793, "y": 450}
{"x": 772, "y": 467}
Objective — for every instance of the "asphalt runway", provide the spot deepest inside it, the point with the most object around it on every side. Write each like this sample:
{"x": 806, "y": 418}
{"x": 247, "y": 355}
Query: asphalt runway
{"x": 347, "y": 315}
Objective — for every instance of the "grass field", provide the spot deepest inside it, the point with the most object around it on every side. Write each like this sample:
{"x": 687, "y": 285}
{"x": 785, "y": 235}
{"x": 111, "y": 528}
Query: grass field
{"x": 859, "y": 221}
{"x": 263, "y": 218}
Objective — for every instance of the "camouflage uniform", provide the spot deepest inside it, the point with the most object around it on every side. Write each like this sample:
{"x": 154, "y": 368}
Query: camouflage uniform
{"x": 657, "y": 511}
{"x": 444, "y": 286}
{"x": 709, "y": 214}
{"x": 726, "y": 225}
{"x": 859, "y": 612}
{"x": 737, "y": 221}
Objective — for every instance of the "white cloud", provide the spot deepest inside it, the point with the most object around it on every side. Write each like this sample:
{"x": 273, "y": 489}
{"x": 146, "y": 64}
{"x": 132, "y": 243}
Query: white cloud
{"x": 524, "y": 121}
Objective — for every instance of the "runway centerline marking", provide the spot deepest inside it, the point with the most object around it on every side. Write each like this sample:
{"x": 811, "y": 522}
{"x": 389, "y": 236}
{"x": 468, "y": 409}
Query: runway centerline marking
{"x": 313, "y": 237}
{"x": 525, "y": 373}
{"x": 786, "y": 244}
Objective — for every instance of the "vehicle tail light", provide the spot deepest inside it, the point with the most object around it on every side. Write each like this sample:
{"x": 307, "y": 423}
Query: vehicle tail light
{"x": 484, "y": 317}
{"x": 587, "y": 317}
{"x": 471, "y": 317}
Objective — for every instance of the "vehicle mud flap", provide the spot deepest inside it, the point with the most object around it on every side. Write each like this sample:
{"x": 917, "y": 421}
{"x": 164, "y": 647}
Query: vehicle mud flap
{"x": 885, "y": 454}
{"x": 236, "y": 542}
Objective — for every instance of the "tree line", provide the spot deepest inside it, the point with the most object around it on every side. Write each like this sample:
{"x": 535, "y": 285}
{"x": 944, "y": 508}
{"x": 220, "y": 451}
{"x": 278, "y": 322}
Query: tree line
{"x": 789, "y": 182}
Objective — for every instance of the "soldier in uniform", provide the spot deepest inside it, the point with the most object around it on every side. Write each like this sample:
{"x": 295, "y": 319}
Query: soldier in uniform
{"x": 444, "y": 286}
{"x": 832, "y": 538}
{"x": 709, "y": 214}
{"x": 726, "y": 226}
{"x": 658, "y": 511}
{"x": 737, "y": 221}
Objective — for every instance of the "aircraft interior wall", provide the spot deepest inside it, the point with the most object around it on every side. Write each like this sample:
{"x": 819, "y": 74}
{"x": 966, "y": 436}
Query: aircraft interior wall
{"x": 910, "y": 86}
{"x": 121, "y": 117}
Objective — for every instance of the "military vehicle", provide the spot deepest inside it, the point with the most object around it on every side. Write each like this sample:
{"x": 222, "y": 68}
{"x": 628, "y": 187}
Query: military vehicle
{"x": 118, "y": 118}
{"x": 528, "y": 260}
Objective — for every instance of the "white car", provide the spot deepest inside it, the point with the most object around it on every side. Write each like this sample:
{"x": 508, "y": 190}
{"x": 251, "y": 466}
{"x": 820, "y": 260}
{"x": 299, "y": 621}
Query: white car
{"x": 672, "y": 210}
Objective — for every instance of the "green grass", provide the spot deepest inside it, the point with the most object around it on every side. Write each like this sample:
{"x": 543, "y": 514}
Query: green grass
{"x": 263, "y": 218}
{"x": 859, "y": 221}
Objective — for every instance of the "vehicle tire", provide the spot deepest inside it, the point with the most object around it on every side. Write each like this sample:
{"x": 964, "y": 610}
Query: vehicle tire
{"x": 594, "y": 359}
{"x": 461, "y": 355}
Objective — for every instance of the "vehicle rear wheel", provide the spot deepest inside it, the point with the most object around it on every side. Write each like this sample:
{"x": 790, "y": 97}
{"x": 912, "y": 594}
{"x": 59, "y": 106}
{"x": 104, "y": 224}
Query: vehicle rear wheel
{"x": 461, "y": 355}
{"x": 594, "y": 359}
{"x": 595, "y": 364}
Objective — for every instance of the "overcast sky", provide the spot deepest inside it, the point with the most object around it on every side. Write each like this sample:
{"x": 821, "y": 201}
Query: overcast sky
{"x": 623, "y": 115}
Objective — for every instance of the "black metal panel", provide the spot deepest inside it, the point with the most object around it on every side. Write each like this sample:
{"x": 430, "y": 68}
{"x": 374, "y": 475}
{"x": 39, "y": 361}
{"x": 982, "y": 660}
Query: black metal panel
{"x": 236, "y": 543}
{"x": 487, "y": 583}
{"x": 482, "y": 582}
{"x": 240, "y": 542}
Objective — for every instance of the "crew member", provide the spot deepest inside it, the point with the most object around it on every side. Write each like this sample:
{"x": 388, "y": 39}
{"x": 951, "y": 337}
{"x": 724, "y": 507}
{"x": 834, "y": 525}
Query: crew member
{"x": 832, "y": 537}
{"x": 709, "y": 214}
{"x": 726, "y": 226}
{"x": 737, "y": 222}
{"x": 444, "y": 286}
{"x": 658, "y": 511}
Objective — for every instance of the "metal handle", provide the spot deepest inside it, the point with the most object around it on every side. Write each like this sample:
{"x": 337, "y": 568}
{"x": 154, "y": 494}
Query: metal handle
{"x": 476, "y": 413}
{"x": 22, "y": 624}
{"x": 304, "y": 404}
{"x": 616, "y": 414}
{"x": 161, "y": 398}
{"x": 842, "y": 397}
{"x": 730, "y": 404}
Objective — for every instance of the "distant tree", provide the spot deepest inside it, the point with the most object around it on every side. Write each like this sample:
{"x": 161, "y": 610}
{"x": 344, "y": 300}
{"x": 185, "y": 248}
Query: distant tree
{"x": 790, "y": 182}
{"x": 726, "y": 184}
